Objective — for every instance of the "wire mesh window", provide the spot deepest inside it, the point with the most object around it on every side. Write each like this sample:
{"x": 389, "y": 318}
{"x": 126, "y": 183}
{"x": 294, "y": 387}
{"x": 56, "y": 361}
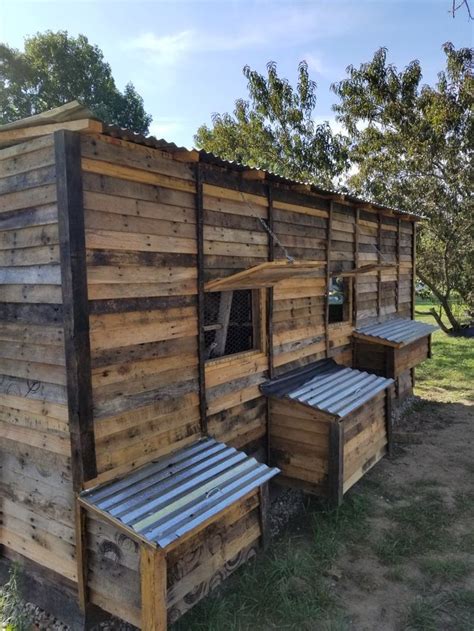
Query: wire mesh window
{"x": 229, "y": 322}
{"x": 339, "y": 299}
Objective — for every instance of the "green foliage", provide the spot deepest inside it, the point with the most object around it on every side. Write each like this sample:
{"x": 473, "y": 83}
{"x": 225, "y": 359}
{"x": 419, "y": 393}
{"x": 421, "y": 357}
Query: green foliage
{"x": 275, "y": 130}
{"x": 445, "y": 570}
{"x": 412, "y": 148}
{"x": 450, "y": 374}
{"x": 13, "y": 616}
{"x": 55, "y": 68}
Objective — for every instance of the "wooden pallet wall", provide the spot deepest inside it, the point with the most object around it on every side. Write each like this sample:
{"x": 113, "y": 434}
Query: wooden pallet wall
{"x": 36, "y": 498}
{"x": 299, "y": 306}
{"x": 140, "y": 223}
{"x": 234, "y": 239}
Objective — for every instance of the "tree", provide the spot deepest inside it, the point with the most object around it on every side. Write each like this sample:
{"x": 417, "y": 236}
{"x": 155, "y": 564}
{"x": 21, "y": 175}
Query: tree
{"x": 275, "y": 130}
{"x": 411, "y": 147}
{"x": 55, "y": 69}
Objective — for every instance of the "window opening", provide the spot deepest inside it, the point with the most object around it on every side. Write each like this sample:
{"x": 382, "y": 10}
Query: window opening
{"x": 229, "y": 322}
{"x": 339, "y": 299}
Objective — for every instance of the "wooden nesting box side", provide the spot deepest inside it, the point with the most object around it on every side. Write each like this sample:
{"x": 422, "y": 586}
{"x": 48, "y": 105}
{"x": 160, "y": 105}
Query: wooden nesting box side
{"x": 119, "y": 579}
{"x": 300, "y": 445}
{"x": 141, "y": 248}
{"x": 365, "y": 439}
{"x": 36, "y": 490}
{"x": 234, "y": 239}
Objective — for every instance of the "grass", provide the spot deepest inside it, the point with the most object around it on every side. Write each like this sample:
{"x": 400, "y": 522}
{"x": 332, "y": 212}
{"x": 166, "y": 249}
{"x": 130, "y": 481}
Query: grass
{"x": 451, "y": 373}
{"x": 419, "y": 525}
{"x": 445, "y": 570}
{"x": 444, "y": 611}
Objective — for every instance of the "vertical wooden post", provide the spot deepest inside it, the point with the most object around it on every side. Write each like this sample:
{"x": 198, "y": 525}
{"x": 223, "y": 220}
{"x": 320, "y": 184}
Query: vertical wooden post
{"x": 75, "y": 305}
{"x": 413, "y": 289}
{"x": 399, "y": 226}
{"x": 200, "y": 297}
{"x": 81, "y": 557}
{"x": 153, "y": 589}
{"x": 336, "y": 463}
{"x": 264, "y": 510}
{"x": 379, "y": 260}
{"x": 269, "y": 320}
{"x": 389, "y": 419}
{"x": 430, "y": 352}
{"x": 328, "y": 274}
{"x": 356, "y": 265}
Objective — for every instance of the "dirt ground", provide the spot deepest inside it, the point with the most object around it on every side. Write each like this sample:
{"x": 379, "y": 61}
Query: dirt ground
{"x": 415, "y": 569}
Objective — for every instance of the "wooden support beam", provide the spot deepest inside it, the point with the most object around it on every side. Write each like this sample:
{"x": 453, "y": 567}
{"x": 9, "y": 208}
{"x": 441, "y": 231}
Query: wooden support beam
{"x": 264, "y": 510}
{"x": 225, "y": 307}
{"x": 413, "y": 287}
{"x": 153, "y": 589}
{"x": 379, "y": 260}
{"x": 28, "y": 133}
{"x": 75, "y": 305}
{"x": 399, "y": 229}
{"x": 335, "y": 463}
{"x": 200, "y": 297}
{"x": 356, "y": 264}
{"x": 389, "y": 393}
{"x": 328, "y": 275}
{"x": 269, "y": 320}
{"x": 254, "y": 174}
{"x": 81, "y": 556}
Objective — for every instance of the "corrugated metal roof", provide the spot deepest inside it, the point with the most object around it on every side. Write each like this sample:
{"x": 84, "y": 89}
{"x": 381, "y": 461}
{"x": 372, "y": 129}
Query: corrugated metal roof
{"x": 74, "y": 110}
{"x": 327, "y": 386}
{"x": 164, "y": 500}
{"x": 399, "y": 331}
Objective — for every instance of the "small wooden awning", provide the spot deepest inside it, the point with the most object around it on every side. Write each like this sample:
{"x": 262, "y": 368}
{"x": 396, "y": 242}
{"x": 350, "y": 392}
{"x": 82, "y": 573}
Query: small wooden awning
{"x": 265, "y": 275}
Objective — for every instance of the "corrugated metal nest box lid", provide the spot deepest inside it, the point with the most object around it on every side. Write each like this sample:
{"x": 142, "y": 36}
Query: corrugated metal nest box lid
{"x": 75, "y": 111}
{"x": 164, "y": 500}
{"x": 397, "y": 332}
{"x": 328, "y": 387}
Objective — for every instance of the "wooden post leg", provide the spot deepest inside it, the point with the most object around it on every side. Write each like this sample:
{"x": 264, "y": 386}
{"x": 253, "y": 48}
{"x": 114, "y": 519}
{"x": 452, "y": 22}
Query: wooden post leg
{"x": 265, "y": 515}
{"x": 336, "y": 463}
{"x": 81, "y": 558}
{"x": 153, "y": 589}
{"x": 389, "y": 392}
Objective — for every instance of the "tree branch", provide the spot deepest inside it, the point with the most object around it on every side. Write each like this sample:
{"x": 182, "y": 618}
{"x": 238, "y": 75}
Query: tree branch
{"x": 455, "y": 7}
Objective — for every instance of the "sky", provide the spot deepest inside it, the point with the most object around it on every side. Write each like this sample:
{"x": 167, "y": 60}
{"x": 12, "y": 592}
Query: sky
{"x": 185, "y": 57}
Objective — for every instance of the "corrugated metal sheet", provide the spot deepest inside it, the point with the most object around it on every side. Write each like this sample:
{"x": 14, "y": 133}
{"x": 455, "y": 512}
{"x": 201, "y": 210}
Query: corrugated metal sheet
{"x": 328, "y": 387}
{"x": 398, "y": 331}
{"x": 74, "y": 110}
{"x": 165, "y": 499}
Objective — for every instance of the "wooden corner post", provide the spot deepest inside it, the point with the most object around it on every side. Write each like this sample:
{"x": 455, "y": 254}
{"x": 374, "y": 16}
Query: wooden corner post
{"x": 153, "y": 588}
{"x": 200, "y": 296}
{"x": 328, "y": 276}
{"x": 389, "y": 393}
{"x": 75, "y": 305}
{"x": 335, "y": 462}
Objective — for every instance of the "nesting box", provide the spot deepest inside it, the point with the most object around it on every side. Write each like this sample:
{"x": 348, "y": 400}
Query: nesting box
{"x": 161, "y": 538}
{"x": 393, "y": 349}
{"x": 329, "y": 424}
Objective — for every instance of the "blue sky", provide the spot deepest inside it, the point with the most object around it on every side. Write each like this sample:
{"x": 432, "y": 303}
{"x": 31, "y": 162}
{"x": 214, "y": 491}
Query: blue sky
{"x": 185, "y": 57}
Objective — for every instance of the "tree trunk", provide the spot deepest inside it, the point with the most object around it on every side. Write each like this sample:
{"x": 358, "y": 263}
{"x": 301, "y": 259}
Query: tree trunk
{"x": 444, "y": 302}
{"x": 439, "y": 321}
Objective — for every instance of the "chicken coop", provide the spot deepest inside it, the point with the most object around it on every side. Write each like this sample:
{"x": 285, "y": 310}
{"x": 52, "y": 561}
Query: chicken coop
{"x": 175, "y": 330}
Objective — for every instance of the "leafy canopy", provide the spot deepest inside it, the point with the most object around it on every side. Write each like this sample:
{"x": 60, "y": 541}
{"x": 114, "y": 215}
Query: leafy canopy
{"x": 275, "y": 129}
{"x": 56, "y": 68}
{"x": 411, "y": 146}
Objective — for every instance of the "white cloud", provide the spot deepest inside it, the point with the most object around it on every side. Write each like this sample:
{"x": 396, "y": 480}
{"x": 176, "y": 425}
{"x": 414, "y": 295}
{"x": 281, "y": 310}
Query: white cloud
{"x": 283, "y": 26}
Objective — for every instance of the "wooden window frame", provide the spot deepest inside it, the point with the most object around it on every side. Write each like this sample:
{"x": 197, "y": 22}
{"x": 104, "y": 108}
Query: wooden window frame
{"x": 259, "y": 301}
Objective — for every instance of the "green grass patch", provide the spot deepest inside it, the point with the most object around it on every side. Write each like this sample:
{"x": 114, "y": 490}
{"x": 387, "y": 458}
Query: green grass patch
{"x": 445, "y": 570}
{"x": 419, "y": 525}
{"x": 421, "y": 616}
{"x": 452, "y": 367}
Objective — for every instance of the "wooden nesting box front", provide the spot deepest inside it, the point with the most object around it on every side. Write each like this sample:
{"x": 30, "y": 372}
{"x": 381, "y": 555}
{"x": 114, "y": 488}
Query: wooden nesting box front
{"x": 157, "y": 541}
{"x": 326, "y": 451}
{"x": 393, "y": 349}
